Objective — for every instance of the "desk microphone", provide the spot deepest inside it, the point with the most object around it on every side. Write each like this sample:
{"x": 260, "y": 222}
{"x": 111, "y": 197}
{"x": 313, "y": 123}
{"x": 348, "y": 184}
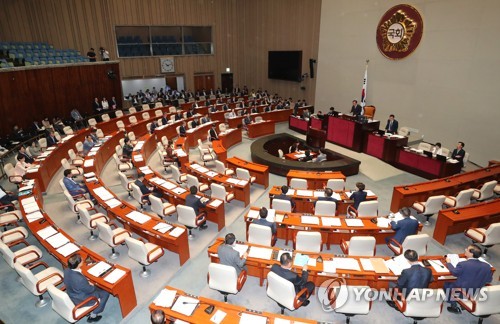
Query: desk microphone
{"x": 209, "y": 310}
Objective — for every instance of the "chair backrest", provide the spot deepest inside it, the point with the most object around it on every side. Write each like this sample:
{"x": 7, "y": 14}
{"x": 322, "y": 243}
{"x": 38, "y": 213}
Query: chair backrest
{"x": 148, "y": 127}
{"x": 132, "y": 110}
{"x": 62, "y": 304}
{"x": 132, "y": 120}
{"x": 79, "y": 146}
{"x": 28, "y": 279}
{"x": 434, "y": 204}
{"x": 260, "y": 234}
{"x": 105, "y": 233}
{"x": 466, "y": 157}
{"x": 353, "y": 305}
{"x": 120, "y": 124}
{"x": 92, "y": 122}
{"x": 192, "y": 181}
{"x": 99, "y": 133}
{"x": 492, "y": 234}
{"x": 9, "y": 169}
{"x": 362, "y": 246}
{"x": 164, "y": 140}
{"x": 65, "y": 164}
{"x": 425, "y": 307}
{"x": 118, "y": 149}
{"x": 7, "y": 254}
{"x": 487, "y": 301}
{"x": 70, "y": 200}
{"x": 404, "y": 131}
{"x": 158, "y": 112}
{"x": 223, "y": 278}
{"x": 131, "y": 136}
{"x": 105, "y": 117}
{"x": 58, "y": 136}
{"x": 308, "y": 241}
{"x": 336, "y": 184}
{"x": 222, "y": 127}
{"x": 156, "y": 205}
{"x": 122, "y": 142}
{"x": 417, "y": 243}
{"x": 85, "y": 217}
{"x": 137, "y": 250}
{"x": 220, "y": 167}
{"x": 368, "y": 208}
{"x": 136, "y": 193}
{"x": 118, "y": 113}
{"x": 280, "y": 290}
{"x": 218, "y": 191}
{"x": 463, "y": 198}
{"x": 145, "y": 107}
{"x": 424, "y": 146}
{"x": 258, "y": 119}
{"x": 487, "y": 190}
{"x": 445, "y": 151}
{"x": 68, "y": 130}
{"x": 172, "y": 109}
{"x": 200, "y": 142}
{"x": 280, "y": 153}
{"x": 186, "y": 216}
{"x": 298, "y": 183}
{"x": 325, "y": 208}
{"x": 145, "y": 115}
{"x": 176, "y": 174}
{"x": 124, "y": 181}
{"x": 177, "y": 130}
{"x": 72, "y": 154}
{"x": 369, "y": 111}
{"x": 42, "y": 142}
{"x": 282, "y": 205}
{"x": 243, "y": 174}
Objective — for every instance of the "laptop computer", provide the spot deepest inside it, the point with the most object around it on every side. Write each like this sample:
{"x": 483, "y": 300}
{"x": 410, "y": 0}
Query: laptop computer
{"x": 428, "y": 153}
{"x": 440, "y": 157}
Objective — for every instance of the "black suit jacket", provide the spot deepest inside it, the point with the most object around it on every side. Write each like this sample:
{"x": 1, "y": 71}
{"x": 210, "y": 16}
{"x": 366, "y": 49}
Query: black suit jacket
{"x": 394, "y": 128}
{"x": 195, "y": 203}
{"x": 142, "y": 186}
{"x": 51, "y": 141}
{"x": 356, "y": 110}
{"x": 458, "y": 155}
{"x": 358, "y": 197}
{"x": 27, "y": 158}
{"x": 77, "y": 286}
{"x": 325, "y": 199}
{"x": 182, "y": 130}
{"x": 213, "y": 135}
{"x": 416, "y": 277}
{"x": 298, "y": 281}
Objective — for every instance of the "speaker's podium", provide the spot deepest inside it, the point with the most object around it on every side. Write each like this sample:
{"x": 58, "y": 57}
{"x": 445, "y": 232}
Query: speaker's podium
{"x": 316, "y": 137}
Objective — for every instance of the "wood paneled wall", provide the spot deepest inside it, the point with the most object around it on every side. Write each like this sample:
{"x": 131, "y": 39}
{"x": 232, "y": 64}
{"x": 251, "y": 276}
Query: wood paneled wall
{"x": 31, "y": 94}
{"x": 243, "y": 32}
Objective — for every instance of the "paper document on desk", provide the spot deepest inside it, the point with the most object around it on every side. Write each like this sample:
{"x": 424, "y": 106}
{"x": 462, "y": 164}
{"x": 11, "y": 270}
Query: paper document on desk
{"x": 89, "y": 174}
{"x": 103, "y": 193}
{"x": 278, "y": 218}
{"x": 179, "y": 190}
{"x": 346, "y": 264}
{"x": 330, "y": 221}
{"x": 319, "y": 193}
{"x": 27, "y": 201}
{"x": 185, "y": 305}
{"x": 145, "y": 170}
{"x": 34, "y": 216}
{"x": 98, "y": 269}
{"x": 114, "y": 276}
{"x": 283, "y": 321}
{"x": 290, "y": 192}
{"x": 218, "y": 317}
{"x": 438, "y": 266}
{"x": 95, "y": 149}
{"x": 241, "y": 248}
{"x": 157, "y": 180}
{"x": 252, "y": 213}
{"x": 379, "y": 265}
{"x": 271, "y": 213}
{"x": 162, "y": 227}
{"x": 139, "y": 145}
{"x": 31, "y": 208}
{"x": 168, "y": 185}
{"x": 68, "y": 249}
{"x": 176, "y": 232}
{"x": 252, "y": 319}
{"x": 455, "y": 259}
{"x": 46, "y": 232}
{"x": 398, "y": 264}
{"x": 242, "y": 183}
{"x": 260, "y": 253}
{"x": 232, "y": 180}
{"x": 306, "y": 193}
{"x": 329, "y": 267}
{"x": 113, "y": 202}
{"x": 314, "y": 220}
{"x": 354, "y": 222}
{"x": 93, "y": 179}
{"x": 180, "y": 153}
{"x": 366, "y": 264}
{"x": 33, "y": 169}
{"x": 138, "y": 158}
{"x": 88, "y": 163}
{"x": 203, "y": 170}
{"x": 196, "y": 166}
{"x": 215, "y": 203}
{"x": 57, "y": 240}
{"x": 138, "y": 217}
{"x": 301, "y": 155}
{"x": 300, "y": 260}
{"x": 165, "y": 298}
{"x": 212, "y": 174}
{"x": 383, "y": 222}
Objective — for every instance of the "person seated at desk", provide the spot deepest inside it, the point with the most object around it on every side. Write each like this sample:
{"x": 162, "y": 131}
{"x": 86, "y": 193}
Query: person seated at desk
{"x": 321, "y": 156}
{"x": 264, "y": 222}
{"x": 34, "y": 149}
{"x": 232, "y": 114}
{"x": 306, "y": 114}
{"x": 267, "y": 108}
{"x": 88, "y": 144}
{"x": 320, "y": 115}
{"x": 213, "y": 109}
{"x": 294, "y": 148}
{"x": 153, "y": 126}
{"x": 415, "y": 277}
{"x": 146, "y": 190}
{"x": 158, "y": 317}
{"x": 127, "y": 150}
{"x": 437, "y": 150}
{"x": 356, "y": 109}
{"x": 194, "y": 201}
{"x": 300, "y": 282}
{"x": 27, "y": 157}
{"x": 327, "y": 196}
{"x": 247, "y": 120}
{"x": 254, "y": 110}
{"x": 308, "y": 156}
{"x": 283, "y": 196}
{"x": 205, "y": 119}
{"x": 403, "y": 228}
{"x": 51, "y": 139}
{"x": 471, "y": 274}
{"x": 80, "y": 288}
{"x": 74, "y": 188}
{"x": 194, "y": 123}
{"x": 171, "y": 156}
{"x": 360, "y": 195}
{"x": 165, "y": 119}
{"x": 332, "y": 112}
{"x": 459, "y": 154}
{"x": 229, "y": 256}
{"x": 191, "y": 113}
{"x": 178, "y": 115}
{"x": 392, "y": 125}
{"x": 225, "y": 107}
{"x": 7, "y": 198}
{"x": 182, "y": 129}
{"x": 212, "y": 134}
{"x": 93, "y": 134}
{"x": 21, "y": 167}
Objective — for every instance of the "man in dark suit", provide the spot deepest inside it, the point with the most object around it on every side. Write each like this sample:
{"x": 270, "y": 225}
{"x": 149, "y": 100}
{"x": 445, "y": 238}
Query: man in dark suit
{"x": 415, "y": 277}
{"x": 213, "y": 109}
{"x": 193, "y": 201}
{"x": 212, "y": 133}
{"x": 229, "y": 256}
{"x": 247, "y": 120}
{"x": 294, "y": 148}
{"x": 27, "y": 158}
{"x": 392, "y": 125}
{"x": 356, "y": 109}
{"x": 403, "y": 228}
{"x": 300, "y": 282}
{"x": 51, "y": 139}
{"x": 283, "y": 196}
{"x": 205, "y": 119}
{"x": 360, "y": 195}
{"x": 6, "y": 198}
{"x": 459, "y": 154}
{"x": 308, "y": 157}
{"x": 164, "y": 119}
{"x": 182, "y": 129}
{"x": 145, "y": 190}
{"x": 263, "y": 220}
{"x": 178, "y": 116}
{"x": 79, "y": 288}
{"x": 471, "y": 274}
{"x": 327, "y": 197}
{"x": 254, "y": 110}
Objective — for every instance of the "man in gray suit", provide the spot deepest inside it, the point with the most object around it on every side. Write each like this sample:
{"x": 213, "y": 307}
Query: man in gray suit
{"x": 263, "y": 220}
{"x": 229, "y": 256}
{"x": 79, "y": 288}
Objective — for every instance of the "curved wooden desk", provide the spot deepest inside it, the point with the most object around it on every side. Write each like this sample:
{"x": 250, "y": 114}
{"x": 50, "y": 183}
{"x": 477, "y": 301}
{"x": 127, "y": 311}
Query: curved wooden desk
{"x": 266, "y": 127}
{"x": 315, "y": 180}
{"x": 259, "y": 171}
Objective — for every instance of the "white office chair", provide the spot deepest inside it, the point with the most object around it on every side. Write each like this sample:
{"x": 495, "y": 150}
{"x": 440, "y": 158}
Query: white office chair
{"x": 144, "y": 253}
{"x": 158, "y": 112}
{"x": 187, "y": 217}
{"x": 25, "y": 255}
{"x": 221, "y": 168}
{"x": 13, "y": 235}
{"x": 282, "y": 205}
{"x": 148, "y": 127}
{"x": 132, "y": 138}
{"x": 126, "y": 182}
{"x": 466, "y": 158}
{"x": 177, "y": 176}
{"x": 445, "y": 151}
{"x": 92, "y": 122}
{"x": 219, "y": 192}
{"x": 145, "y": 115}
{"x": 75, "y": 170}
{"x": 487, "y": 237}
{"x": 13, "y": 178}
{"x": 225, "y": 279}
{"x": 325, "y": 208}
{"x": 280, "y": 154}
{"x": 90, "y": 221}
{"x": 244, "y": 174}
{"x": 486, "y": 191}
{"x": 172, "y": 109}
{"x": 352, "y": 305}
{"x": 105, "y": 118}
{"x": 37, "y": 284}
{"x": 260, "y": 234}
{"x": 298, "y": 183}
{"x": 74, "y": 202}
{"x": 79, "y": 148}
{"x": 138, "y": 196}
{"x": 484, "y": 303}
{"x": 58, "y": 137}
{"x": 222, "y": 127}
{"x": 132, "y": 120}
{"x": 68, "y": 130}
{"x": 122, "y": 166}
{"x": 112, "y": 237}
{"x": 193, "y": 181}
{"x": 366, "y": 209}
{"x": 307, "y": 241}
{"x": 258, "y": 119}
{"x": 359, "y": 246}
{"x": 75, "y": 159}
{"x": 424, "y": 146}
{"x": 417, "y": 242}
{"x": 336, "y": 184}
{"x": 497, "y": 189}
{"x": 161, "y": 208}
{"x": 282, "y": 292}
{"x": 420, "y": 308}
{"x": 118, "y": 113}
{"x": 432, "y": 206}
{"x": 120, "y": 125}
{"x": 62, "y": 305}
{"x": 206, "y": 157}
{"x": 462, "y": 199}
{"x": 10, "y": 218}
{"x": 404, "y": 131}
{"x": 42, "y": 142}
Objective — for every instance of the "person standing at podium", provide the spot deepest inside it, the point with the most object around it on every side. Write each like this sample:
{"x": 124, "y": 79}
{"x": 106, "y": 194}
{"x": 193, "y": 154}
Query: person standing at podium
{"x": 392, "y": 125}
{"x": 356, "y": 109}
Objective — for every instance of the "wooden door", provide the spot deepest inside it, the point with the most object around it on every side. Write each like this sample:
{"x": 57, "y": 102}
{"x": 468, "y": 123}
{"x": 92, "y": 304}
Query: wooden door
{"x": 171, "y": 82}
{"x": 226, "y": 82}
{"x": 204, "y": 81}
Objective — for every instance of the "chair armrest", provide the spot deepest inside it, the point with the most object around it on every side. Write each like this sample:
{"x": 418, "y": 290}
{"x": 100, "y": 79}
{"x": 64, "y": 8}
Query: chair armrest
{"x": 151, "y": 252}
{"x": 79, "y": 196}
{"x": 15, "y": 179}
{"x": 242, "y": 278}
{"x": 14, "y": 231}
{"x": 83, "y": 202}
{"x": 116, "y": 235}
{"x": 394, "y": 242}
{"x": 296, "y": 301}
{"x": 351, "y": 209}
{"x": 9, "y": 206}
{"x": 18, "y": 242}
{"x": 93, "y": 221}
{"x": 200, "y": 218}
{"x": 401, "y": 308}
{"x": 61, "y": 279}
{"x": 37, "y": 264}
{"x": 165, "y": 209}
{"x": 82, "y": 304}
{"x": 419, "y": 203}
{"x": 111, "y": 224}
{"x": 483, "y": 237}
{"x": 27, "y": 253}
{"x": 454, "y": 200}
{"x": 469, "y": 298}
{"x": 344, "y": 247}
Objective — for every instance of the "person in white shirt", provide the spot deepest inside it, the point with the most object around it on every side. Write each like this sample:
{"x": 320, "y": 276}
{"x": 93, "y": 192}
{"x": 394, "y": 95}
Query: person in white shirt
{"x": 105, "y": 104}
{"x": 232, "y": 114}
{"x": 21, "y": 167}
{"x": 437, "y": 150}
